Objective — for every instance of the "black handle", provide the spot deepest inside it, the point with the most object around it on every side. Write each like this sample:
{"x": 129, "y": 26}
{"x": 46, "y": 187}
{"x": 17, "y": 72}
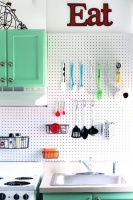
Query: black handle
{"x": 16, "y": 196}
{"x": 25, "y": 196}
{"x": 64, "y": 72}
{"x": 2, "y": 196}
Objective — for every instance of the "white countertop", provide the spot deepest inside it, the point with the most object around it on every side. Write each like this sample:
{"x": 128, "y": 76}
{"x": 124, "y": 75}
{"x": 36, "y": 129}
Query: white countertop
{"x": 61, "y": 167}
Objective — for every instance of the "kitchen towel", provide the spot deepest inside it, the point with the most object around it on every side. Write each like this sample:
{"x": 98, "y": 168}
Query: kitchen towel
{"x": 123, "y": 96}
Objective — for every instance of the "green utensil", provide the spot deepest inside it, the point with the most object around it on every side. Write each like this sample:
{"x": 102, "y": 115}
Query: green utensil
{"x": 99, "y": 93}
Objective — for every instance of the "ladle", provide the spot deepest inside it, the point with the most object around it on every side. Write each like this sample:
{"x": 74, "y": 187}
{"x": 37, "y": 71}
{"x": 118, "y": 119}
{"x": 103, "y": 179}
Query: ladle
{"x": 84, "y": 130}
{"x": 92, "y": 130}
{"x": 57, "y": 112}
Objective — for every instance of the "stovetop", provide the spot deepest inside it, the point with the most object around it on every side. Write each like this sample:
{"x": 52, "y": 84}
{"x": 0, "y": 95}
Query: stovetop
{"x": 19, "y": 176}
{"x": 21, "y": 183}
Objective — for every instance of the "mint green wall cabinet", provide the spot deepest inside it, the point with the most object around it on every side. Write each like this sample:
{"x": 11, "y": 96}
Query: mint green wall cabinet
{"x": 67, "y": 196}
{"x": 3, "y": 71}
{"x": 25, "y": 57}
{"x": 113, "y": 196}
{"x": 89, "y": 196}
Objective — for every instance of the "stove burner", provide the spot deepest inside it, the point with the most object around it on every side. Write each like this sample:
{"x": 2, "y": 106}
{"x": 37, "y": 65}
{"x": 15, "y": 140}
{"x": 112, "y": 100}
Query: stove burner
{"x": 24, "y": 178}
{"x": 17, "y": 183}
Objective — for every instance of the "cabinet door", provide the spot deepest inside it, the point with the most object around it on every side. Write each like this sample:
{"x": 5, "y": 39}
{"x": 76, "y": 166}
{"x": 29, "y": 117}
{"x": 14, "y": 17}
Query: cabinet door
{"x": 67, "y": 196}
{"x": 26, "y": 57}
{"x": 113, "y": 196}
{"x": 3, "y": 70}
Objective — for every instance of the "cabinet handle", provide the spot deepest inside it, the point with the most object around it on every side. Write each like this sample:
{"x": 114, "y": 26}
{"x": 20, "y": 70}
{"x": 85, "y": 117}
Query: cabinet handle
{"x": 2, "y": 80}
{"x": 97, "y": 198}
{"x": 10, "y": 80}
{"x": 9, "y": 63}
{"x": 2, "y": 64}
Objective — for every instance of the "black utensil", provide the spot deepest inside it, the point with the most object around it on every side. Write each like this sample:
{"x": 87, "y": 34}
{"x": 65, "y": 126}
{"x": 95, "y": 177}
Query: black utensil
{"x": 84, "y": 130}
{"x": 63, "y": 83}
{"x": 92, "y": 130}
{"x": 76, "y": 129}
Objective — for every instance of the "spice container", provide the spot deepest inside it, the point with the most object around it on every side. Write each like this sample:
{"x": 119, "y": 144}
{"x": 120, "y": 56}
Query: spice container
{"x": 3, "y": 142}
{"x": 11, "y": 141}
{"x": 18, "y": 140}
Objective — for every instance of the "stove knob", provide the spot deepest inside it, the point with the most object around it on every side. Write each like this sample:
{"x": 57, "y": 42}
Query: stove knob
{"x": 25, "y": 196}
{"x": 2, "y": 196}
{"x": 16, "y": 196}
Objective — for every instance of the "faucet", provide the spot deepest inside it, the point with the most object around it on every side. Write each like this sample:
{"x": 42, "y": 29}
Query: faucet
{"x": 88, "y": 167}
{"x": 114, "y": 166}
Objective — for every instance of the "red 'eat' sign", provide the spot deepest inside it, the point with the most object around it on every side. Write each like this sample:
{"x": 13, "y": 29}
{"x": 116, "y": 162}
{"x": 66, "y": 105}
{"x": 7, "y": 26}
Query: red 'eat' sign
{"x": 94, "y": 15}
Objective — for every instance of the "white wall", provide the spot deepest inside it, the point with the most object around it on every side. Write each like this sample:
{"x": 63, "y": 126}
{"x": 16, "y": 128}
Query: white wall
{"x": 31, "y": 12}
{"x": 55, "y": 14}
{"x": 58, "y": 16}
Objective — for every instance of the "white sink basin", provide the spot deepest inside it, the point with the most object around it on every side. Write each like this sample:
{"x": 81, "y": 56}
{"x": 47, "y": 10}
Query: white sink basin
{"x": 83, "y": 179}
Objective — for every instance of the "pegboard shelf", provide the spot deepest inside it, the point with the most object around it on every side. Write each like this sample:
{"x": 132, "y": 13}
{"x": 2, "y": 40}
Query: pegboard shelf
{"x": 83, "y": 100}
{"x": 50, "y": 153}
{"x": 14, "y": 142}
{"x": 63, "y": 129}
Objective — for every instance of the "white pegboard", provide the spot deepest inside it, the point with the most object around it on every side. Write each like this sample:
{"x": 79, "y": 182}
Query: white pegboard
{"x": 77, "y": 48}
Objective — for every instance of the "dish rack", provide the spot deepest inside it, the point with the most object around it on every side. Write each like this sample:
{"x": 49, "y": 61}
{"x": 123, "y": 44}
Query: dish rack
{"x": 64, "y": 129}
{"x": 14, "y": 142}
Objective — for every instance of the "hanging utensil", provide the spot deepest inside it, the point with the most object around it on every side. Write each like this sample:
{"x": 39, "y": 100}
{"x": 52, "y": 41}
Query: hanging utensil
{"x": 118, "y": 74}
{"x": 81, "y": 84}
{"x": 57, "y": 112}
{"x": 63, "y": 108}
{"x": 99, "y": 93}
{"x": 107, "y": 79}
{"x": 76, "y": 129}
{"x": 73, "y": 85}
{"x": 92, "y": 130}
{"x": 84, "y": 130}
{"x": 90, "y": 76}
{"x": 63, "y": 83}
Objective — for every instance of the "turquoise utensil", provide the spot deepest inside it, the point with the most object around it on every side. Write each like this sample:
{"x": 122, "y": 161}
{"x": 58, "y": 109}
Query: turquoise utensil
{"x": 73, "y": 85}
